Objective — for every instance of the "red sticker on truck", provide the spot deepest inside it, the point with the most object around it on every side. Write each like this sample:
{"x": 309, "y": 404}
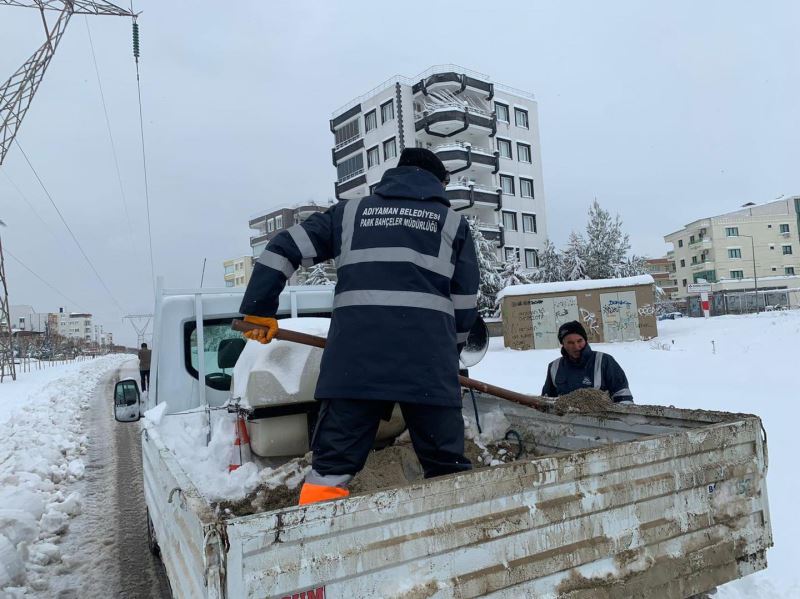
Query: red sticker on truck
{"x": 318, "y": 593}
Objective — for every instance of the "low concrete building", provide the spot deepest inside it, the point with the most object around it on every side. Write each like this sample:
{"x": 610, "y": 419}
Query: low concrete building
{"x": 609, "y": 309}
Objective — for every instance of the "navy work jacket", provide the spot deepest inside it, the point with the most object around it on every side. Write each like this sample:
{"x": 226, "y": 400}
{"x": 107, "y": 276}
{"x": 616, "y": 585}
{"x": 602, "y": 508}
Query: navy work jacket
{"x": 406, "y": 294}
{"x": 594, "y": 369}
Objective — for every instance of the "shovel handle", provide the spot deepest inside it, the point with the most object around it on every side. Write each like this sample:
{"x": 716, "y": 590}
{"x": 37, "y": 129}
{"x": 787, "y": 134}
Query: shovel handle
{"x": 315, "y": 341}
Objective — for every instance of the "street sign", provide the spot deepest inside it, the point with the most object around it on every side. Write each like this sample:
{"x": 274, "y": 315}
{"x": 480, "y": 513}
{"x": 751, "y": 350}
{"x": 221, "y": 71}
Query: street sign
{"x": 699, "y": 288}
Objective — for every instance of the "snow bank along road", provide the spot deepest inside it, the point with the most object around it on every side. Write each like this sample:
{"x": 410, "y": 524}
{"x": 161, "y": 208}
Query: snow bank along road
{"x": 72, "y": 520}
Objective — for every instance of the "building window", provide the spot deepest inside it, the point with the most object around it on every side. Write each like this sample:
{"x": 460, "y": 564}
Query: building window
{"x": 683, "y": 282}
{"x": 504, "y": 146}
{"x": 525, "y": 188}
{"x": 512, "y": 254}
{"x": 732, "y": 231}
{"x": 502, "y": 112}
{"x": 521, "y": 118}
{"x": 346, "y": 133}
{"x": 387, "y": 111}
{"x": 507, "y": 184}
{"x": 229, "y": 270}
{"x": 389, "y": 149}
{"x": 737, "y": 274}
{"x": 278, "y": 223}
{"x": 270, "y": 225}
{"x": 734, "y": 253}
{"x": 351, "y": 167}
{"x": 772, "y": 246}
{"x": 694, "y": 259}
{"x": 373, "y": 157}
{"x": 784, "y": 228}
{"x": 691, "y": 239}
{"x": 523, "y": 152}
{"x": 788, "y": 270}
{"x": 370, "y": 121}
{"x": 787, "y": 249}
{"x": 531, "y": 258}
{"x": 510, "y": 221}
{"x": 228, "y": 283}
{"x": 680, "y": 243}
{"x": 529, "y": 223}
{"x": 683, "y": 263}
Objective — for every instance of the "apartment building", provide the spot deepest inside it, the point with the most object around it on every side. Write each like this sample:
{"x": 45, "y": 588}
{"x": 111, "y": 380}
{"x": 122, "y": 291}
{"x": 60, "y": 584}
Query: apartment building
{"x": 268, "y": 224}
{"x": 663, "y": 272}
{"x": 756, "y": 245}
{"x": 487, "y": 135}
{"x": 74, "y": 325}
{"x": 237, "y": 271}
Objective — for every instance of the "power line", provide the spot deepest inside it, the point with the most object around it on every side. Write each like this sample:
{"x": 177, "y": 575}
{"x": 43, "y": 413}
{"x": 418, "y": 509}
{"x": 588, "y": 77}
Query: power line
{"x": 74, "y": 238}
{"x": 27, "y": 201}
{"x": 144, "y": 153}
{"x": 26, "y": 267}
{"x": 108, "y": 126}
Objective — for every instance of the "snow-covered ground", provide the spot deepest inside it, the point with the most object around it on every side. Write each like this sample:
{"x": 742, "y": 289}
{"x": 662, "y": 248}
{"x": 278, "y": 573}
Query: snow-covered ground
{"x": 731, "y": 363}
{"x": 749, "y": 367}
{"x": 42, "y": 441}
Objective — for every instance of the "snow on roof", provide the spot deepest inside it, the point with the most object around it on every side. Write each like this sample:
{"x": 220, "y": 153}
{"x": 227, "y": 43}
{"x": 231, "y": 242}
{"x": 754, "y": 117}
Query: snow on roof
{"x": 581, "y": 285}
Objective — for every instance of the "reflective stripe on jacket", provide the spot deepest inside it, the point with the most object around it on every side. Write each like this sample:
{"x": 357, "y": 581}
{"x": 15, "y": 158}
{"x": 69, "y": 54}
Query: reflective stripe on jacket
{"x": 406, "y": 293}
{"x": 593, "y": 369}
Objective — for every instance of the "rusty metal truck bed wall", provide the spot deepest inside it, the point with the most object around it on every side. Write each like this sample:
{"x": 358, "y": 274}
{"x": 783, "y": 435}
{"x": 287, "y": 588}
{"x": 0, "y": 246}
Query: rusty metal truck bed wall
{"x": 678, "y": 511}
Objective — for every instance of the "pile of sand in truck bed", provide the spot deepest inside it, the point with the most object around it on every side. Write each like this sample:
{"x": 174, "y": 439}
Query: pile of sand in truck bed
{"x": 393, "y": 466}
{"x": 582, "y": 401}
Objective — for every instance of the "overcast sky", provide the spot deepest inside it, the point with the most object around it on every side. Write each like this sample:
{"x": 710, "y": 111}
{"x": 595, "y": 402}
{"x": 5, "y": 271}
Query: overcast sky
{"x": 665, "y": 114}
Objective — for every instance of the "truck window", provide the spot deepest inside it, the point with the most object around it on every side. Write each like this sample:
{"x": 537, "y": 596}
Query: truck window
{"x": 214, "y": 331}
{"x": 125, "y": 394}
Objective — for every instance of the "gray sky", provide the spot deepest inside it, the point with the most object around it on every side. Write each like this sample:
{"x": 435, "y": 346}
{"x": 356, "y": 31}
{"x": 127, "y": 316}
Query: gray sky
{"x": 665, "y": 113}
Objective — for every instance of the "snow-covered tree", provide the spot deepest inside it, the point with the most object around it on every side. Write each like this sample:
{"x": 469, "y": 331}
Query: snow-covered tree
{"x": 630, "y": 267}
{"x": 512, "y": 273}
{"x": 574, "y": 258}
{"x": 316, "y": 275}
{"x": 491, "y": 282}
{"x": 606, "y": 245}
{"x": 551, "y": 264}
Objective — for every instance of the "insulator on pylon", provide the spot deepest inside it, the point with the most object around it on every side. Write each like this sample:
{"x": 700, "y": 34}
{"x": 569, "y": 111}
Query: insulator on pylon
{"x": 135, "y": 39}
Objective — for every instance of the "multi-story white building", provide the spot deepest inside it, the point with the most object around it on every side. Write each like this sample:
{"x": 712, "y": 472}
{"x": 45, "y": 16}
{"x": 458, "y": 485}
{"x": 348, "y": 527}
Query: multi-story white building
{"x": 663, "y": 272}
{"x": 729, "y": 249}
{"x": 486, "y": 134}
{"x": 75, "y": 325}
{"x": 237, "y": 271}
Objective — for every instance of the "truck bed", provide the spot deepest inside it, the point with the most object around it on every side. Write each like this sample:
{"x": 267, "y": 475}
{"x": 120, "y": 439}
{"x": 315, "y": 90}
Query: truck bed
{"x": 631, "y": 501}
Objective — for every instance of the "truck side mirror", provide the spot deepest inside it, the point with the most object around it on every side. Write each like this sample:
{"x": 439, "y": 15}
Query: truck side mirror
{"x": 127, "y": 402}
{"x": 476, "y": 346}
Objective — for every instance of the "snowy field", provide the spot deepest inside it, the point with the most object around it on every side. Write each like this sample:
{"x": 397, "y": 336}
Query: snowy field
{"x": 749, "y": 367}
{"x": 42, "y": 441}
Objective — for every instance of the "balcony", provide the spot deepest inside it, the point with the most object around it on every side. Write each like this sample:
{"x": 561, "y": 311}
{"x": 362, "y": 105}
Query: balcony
{"x": 464, "y": 80}
{"x": 450, "y": 118}
{"x": 459, "y": 156}
{"x": 703, "y": 242}
{"x": 346, "y": 147}
{"x": 707, "y": 265}
{"x": 464, "y": 196}
{"x": 352, "y": 185}
{"x": 491, "y": 233}
{"x": 259, "y": 239}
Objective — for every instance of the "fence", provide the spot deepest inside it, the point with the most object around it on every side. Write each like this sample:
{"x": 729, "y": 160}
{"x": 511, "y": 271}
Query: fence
{"x": 747, "y": 302}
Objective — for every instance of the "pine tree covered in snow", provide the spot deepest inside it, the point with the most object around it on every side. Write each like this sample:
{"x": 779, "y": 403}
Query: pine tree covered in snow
{"x": 574, "y": 259}
{"x": 316, "y": 275}
{"x": 512, "y": 273}
{"x": 551, "y": 264}
{"x": 606, "y": 245}
{"x": 491, "y": 282}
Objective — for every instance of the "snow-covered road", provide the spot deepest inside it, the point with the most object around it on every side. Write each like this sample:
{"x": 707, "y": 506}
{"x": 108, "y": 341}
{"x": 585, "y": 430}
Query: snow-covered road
{"x": 99, "y": 548}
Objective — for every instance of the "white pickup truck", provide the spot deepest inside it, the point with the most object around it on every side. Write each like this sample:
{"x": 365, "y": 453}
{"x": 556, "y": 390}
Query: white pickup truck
{"x": 638, "y": 501}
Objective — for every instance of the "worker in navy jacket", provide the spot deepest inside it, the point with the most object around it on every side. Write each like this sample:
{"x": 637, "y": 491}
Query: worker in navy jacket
{"x": 404, "y": 302}
{"x": 581, "y": 367}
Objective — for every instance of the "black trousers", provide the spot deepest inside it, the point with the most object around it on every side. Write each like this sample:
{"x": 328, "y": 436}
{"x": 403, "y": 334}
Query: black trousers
{"x": 145, "y": 376}
{"x": 345, "y": 434}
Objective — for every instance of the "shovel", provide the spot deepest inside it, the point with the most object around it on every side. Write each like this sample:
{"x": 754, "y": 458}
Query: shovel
{"x": 468, "y": 356}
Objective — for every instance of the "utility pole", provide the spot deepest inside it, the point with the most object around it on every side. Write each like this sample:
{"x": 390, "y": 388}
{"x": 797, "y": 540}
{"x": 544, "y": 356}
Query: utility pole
{"x": 6, "y": 337}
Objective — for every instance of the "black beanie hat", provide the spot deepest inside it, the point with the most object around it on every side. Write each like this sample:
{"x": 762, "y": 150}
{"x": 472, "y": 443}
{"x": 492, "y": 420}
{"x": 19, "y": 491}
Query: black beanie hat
{"x": 571, "y": 328}
{"x": 424, "y": 159}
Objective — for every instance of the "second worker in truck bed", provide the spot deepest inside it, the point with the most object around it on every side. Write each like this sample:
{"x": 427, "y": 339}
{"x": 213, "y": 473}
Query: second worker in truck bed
{"x": 404, "y": 302}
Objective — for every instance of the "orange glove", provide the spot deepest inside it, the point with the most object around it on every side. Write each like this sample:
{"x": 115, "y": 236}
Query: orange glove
{"x": 261, "y": 335}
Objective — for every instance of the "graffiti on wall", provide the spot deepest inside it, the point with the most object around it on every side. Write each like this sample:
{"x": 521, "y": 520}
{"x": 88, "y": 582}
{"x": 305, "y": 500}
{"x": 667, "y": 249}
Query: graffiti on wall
{"x": 590, "y": 322}
{"x": 620, "y": 316}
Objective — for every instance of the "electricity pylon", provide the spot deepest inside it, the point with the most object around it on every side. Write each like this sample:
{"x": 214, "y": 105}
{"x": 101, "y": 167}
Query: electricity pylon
{"x": 141, "y": 331}
{"x": 17, "y": 93}
{"x": 6, "y": 335}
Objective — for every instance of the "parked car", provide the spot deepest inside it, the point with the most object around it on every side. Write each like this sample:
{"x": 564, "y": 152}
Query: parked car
{"x": 670, "y": 316}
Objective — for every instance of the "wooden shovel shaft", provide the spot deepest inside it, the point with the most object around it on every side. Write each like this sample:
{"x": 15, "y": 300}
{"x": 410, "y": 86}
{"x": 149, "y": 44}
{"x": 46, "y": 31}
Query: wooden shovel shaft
{"x": 315, "y": 341}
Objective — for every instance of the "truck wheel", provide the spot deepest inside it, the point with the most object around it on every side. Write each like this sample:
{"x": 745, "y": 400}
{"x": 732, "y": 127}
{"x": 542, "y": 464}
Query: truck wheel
{"x": 152, "y": 543}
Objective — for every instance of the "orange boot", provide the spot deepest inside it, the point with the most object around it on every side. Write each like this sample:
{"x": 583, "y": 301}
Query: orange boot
{"x": 311, "y": 493}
